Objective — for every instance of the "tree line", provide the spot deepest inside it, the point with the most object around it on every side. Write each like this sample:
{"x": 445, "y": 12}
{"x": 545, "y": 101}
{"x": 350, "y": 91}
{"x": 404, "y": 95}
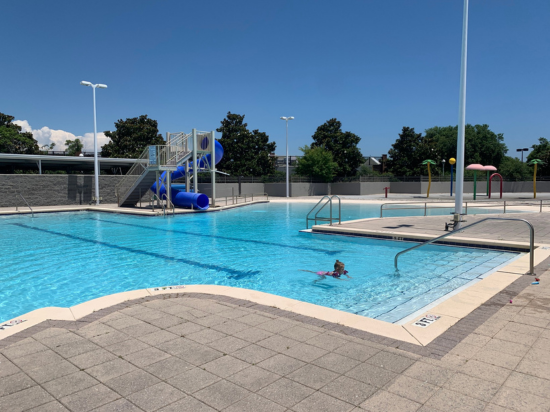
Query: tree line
{"x": 332, "y": 153}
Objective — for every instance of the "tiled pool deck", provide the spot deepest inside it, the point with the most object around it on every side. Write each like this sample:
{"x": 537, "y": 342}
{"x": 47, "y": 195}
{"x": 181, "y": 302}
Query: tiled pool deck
{"x": 210, "y": 352}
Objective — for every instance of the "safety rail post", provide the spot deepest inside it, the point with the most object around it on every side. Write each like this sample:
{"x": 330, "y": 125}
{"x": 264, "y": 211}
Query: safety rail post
{"x": 540, "y": 206}
{"x": 505, "y": 207}
{"x": 462, "y": 229}
{"x": 425, "y": 207}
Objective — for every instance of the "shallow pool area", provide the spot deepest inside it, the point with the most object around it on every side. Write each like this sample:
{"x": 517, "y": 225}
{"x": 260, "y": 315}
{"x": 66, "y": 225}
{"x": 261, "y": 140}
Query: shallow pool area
{"x": 63, "y": 259}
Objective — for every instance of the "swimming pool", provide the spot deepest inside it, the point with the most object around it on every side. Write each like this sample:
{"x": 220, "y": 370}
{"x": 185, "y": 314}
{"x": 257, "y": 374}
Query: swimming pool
{"x": 63, "y": 259}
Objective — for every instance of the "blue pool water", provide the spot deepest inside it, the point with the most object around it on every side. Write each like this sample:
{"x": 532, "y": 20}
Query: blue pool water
{"x": 64, "y": 259}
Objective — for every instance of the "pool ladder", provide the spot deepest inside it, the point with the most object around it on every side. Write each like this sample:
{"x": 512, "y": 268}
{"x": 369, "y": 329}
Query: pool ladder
{"x": 330, "y": 219}
{"x": 531, "y": 240}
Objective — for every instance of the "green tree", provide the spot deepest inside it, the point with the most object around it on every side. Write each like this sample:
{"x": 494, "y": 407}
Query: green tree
{"x": 514, "y": 169}
{"x": 131, "y": 137}
{"x": 541, "y": 151}
{"x": 74, "y": 147}
{"x": 246, "y": 153}
{"x": 342, "y": 145}
{"x": 408, "y": 152}
{"x": 482, "y": 145}
{"x": 317, "y": 162}
{"x": 13, "y": 140}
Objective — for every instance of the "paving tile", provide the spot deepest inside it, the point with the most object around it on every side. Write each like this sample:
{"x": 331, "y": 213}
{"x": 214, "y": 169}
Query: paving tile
{"x": 94, "y": 329}
{"x": 225, "y": 366}
{"x": 529, "y": 383}
{"x": 510, "y": 348}
{"x": 447, "y": 400}
{"x": 253, "y": 354}
{"x": 253, "y": 335}
{"x": 13, "y": 352}
{"x": 140, "y": 330}
{"x": 520, "y": 401}
{"x": 413, "y": 389}
{"x": 167, "y": 321}
{"x": 184, "y": 329}
{"x": 37, "y": 359}
{"x": 7, "y": 368}
{"x": 211, "y": 320}
{"x": 25, "y": 399}
{"x": 93, "y": 358}
{"x": 322, "y": 402}
{"x": 120, "y": 405}
{"x": 255, "y": 403}
{"x": 190, "y": 351}
{"x": 357, "y": 351}
{"x": 254, "y": 319}
{"x": 193, "y": 380}
{"x": 432, "y": 374}
{"x": 286, "y": 392}
{"x": 61, "y": 339}
{"x": 278, "y": 343}
{"x": 206, "y": 336}
{"x": 229, "y": 344}
{"x": 372, "y": 375}
{"x": 54, "y": 406}
{"x": 127, "y": 347}
{"x": 535, "y": 368}
{"x": 474, "y": 387}
{"x": 146, "y": 356}
{"x": 110, "y": 369}
{"x": 110, "y": 338}
{"x": 221, "y": 394}
{"x": 336, "y": 363}
{"x": 188, "y": 404}
{"x": 230, "y": 327}
{"x": 299, "y": 333}
{"x": 349, "y": 390}
{"x": 89, "y": 398}
{"x": 75, "y": 348}
{"x": 132, "y": 382}
{"x": 156, "y": 396}
{"x": 383, "y": 401}
{"x": 492, "y": 408}
{"x": 234, "y": 313}
{"x": 156, "y": 338}
{"x": 253, "y": 378}
{"x": 305, "y": 352}
{"x": 281, "y": 364}
{"x": 52, "y": 371}
{"x": 312, "y": 376}
{"x": 327, "y": 341}
{"x": 15, "y": 383}
{"x": 68, "y": 384}
{"x": 168, "y": 367}
{"x": 123, "y": 322}
{"x": 485, "y": 371}
{"x": 390, "y": 361}
{"x": 501, "y": 359}
{"x": 48, "y": 333}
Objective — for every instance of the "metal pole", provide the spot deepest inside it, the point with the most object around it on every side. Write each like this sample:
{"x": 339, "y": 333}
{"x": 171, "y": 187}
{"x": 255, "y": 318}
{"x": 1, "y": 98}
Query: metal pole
{"x": 452, "y": 167}
{"x": 96, "y": 162}
{"x": 287, "y": 184}
{"x": 213, "y": 166}
{"x": 195, "y": 162}
{"x": 461, "y": 123}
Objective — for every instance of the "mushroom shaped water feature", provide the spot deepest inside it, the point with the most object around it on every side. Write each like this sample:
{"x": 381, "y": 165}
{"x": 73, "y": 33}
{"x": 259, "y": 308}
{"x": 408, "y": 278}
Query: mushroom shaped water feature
{"x": 489, "y": 169}
{"x": 475, "y": 167}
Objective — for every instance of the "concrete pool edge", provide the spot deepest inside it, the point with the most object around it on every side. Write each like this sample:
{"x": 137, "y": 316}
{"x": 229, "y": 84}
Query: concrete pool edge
{"x": 451, "y": 311}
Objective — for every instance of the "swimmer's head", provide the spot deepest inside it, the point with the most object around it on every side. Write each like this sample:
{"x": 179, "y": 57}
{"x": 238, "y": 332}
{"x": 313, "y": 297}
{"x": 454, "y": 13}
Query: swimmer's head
{"x": 339, "y": 266}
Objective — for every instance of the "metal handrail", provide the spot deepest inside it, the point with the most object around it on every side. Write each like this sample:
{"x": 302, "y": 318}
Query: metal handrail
{"x": 504, "y": 204}
{"x": 29, "y": 206}
{"x": 168, "y": 203}
{"x": 330, "y": 219}
{"x": 531, "y": 240}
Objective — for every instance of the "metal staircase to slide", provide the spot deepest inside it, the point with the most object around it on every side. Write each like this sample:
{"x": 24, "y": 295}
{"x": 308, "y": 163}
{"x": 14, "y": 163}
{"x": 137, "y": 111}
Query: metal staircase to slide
{"x": 152, "y": 160}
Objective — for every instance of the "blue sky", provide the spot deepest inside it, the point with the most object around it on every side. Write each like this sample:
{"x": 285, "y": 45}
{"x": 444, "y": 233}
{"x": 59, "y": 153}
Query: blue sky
{"x": 375, "y": 65}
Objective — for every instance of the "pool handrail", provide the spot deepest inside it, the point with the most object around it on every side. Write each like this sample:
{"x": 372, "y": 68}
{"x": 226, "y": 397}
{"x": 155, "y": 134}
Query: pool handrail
{"x": 425, "y": 207}
{"x": 531, "y": 240}
{"x": 25, "y": 200}
{"x": 329, "y": 219}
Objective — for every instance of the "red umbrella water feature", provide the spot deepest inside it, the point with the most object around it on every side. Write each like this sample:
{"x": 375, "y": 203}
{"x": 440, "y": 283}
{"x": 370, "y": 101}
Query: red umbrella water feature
{"x": 475, "y": 167}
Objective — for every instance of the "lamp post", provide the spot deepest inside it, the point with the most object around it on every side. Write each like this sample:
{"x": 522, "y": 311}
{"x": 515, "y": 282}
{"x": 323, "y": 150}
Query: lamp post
{"x": 443, "y": 167}
{"x": 96, "y": 162}
{"x": 522, "y": 150}
{"x": 286, "y": 119}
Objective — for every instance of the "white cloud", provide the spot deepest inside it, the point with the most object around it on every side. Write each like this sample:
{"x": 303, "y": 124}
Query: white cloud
{"x": 46, "y": 136}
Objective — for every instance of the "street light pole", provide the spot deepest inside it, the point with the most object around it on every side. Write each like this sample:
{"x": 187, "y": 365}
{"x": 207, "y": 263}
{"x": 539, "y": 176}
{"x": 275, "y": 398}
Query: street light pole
{"x": 286, "y": 119}
{"x": 522, "y": 150}
{"x": 96, "y": 160}
{"x": 443, "y": 166}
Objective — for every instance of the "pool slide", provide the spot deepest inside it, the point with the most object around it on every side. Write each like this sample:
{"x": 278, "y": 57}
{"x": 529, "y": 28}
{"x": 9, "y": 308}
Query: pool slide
{"x": 189, "y": 199}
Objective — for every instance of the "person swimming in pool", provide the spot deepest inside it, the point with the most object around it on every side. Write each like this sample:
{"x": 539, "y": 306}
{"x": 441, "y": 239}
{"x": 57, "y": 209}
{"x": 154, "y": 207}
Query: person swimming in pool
{"x": 339, "y": 270}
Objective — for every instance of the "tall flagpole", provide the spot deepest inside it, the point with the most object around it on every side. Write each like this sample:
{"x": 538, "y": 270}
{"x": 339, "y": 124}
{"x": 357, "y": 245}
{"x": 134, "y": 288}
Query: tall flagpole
{"x": 461, "y": 123}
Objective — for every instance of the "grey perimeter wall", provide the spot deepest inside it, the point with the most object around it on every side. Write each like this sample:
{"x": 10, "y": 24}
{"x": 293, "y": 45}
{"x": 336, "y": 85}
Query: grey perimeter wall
{"x": 49, "y": 190}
